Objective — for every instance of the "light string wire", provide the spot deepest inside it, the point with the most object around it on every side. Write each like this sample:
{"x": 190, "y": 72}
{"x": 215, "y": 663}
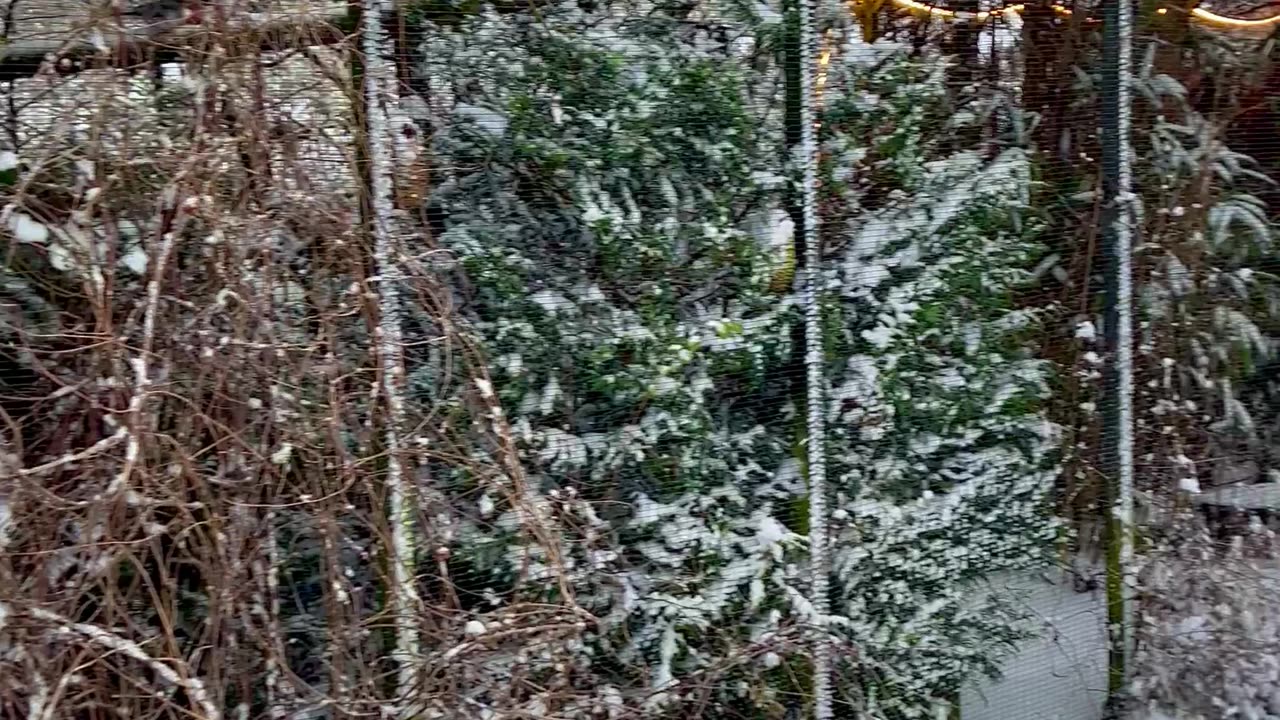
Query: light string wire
{"x": 1207, "y": 17}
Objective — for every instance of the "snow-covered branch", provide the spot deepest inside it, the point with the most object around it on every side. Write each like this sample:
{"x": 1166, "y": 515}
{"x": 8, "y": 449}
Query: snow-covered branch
{"x": 107, "y": 45}
{"x": 107, "y": 640}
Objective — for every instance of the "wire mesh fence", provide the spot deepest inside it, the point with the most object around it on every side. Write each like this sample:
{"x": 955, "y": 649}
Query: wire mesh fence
{"x": 638, "y": 359}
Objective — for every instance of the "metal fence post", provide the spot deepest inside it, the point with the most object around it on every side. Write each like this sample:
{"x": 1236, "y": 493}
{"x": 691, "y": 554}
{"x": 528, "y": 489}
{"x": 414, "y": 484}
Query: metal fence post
{"x": 1118, "y": 417}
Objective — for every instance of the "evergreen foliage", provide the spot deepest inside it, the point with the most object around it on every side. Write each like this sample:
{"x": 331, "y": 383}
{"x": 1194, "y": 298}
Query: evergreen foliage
{"x": 195, "y": 368}
{"x": 944, "y": 454}
{"x": 616, "y": 209}
{"x": 608, "y": 167}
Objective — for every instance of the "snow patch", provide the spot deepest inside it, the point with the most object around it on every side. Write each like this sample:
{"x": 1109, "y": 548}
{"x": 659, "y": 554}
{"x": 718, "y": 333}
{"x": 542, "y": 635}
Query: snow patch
{"x": 27, "y": 229}
{"x": 488, "y": 120}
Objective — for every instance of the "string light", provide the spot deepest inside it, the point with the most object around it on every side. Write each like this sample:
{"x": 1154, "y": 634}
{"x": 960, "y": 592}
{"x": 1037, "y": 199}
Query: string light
{"x": 981, "y": 15}
{"x": 1213, "y": 18}
{"x": 828, "y": 44}
{"x": 933, "y": 11}
{"x": 1205, "y": 16}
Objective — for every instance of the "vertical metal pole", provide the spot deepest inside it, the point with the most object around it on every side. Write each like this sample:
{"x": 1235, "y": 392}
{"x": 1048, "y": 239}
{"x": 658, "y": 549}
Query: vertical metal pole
{"x": 380, "y": 89}
{"x": 1118, "y": 420}
{"x": 815, "y": 375}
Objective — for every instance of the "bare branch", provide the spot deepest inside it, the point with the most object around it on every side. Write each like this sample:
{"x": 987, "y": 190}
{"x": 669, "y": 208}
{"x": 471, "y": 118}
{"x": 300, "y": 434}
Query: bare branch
{"x": 120, "y": 47}
{"x": 104, "y": 638}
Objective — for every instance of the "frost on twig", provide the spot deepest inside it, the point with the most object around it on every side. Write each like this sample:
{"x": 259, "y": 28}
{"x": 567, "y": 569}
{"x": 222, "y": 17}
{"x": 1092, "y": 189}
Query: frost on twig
{"x": 171, "y": 672}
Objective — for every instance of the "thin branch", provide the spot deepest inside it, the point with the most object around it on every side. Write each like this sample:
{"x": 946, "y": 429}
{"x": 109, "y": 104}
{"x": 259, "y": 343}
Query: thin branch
{"x": 194, "y": 688}
{"x": 95, "y": 449}
{"x": 24, "y": 57}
